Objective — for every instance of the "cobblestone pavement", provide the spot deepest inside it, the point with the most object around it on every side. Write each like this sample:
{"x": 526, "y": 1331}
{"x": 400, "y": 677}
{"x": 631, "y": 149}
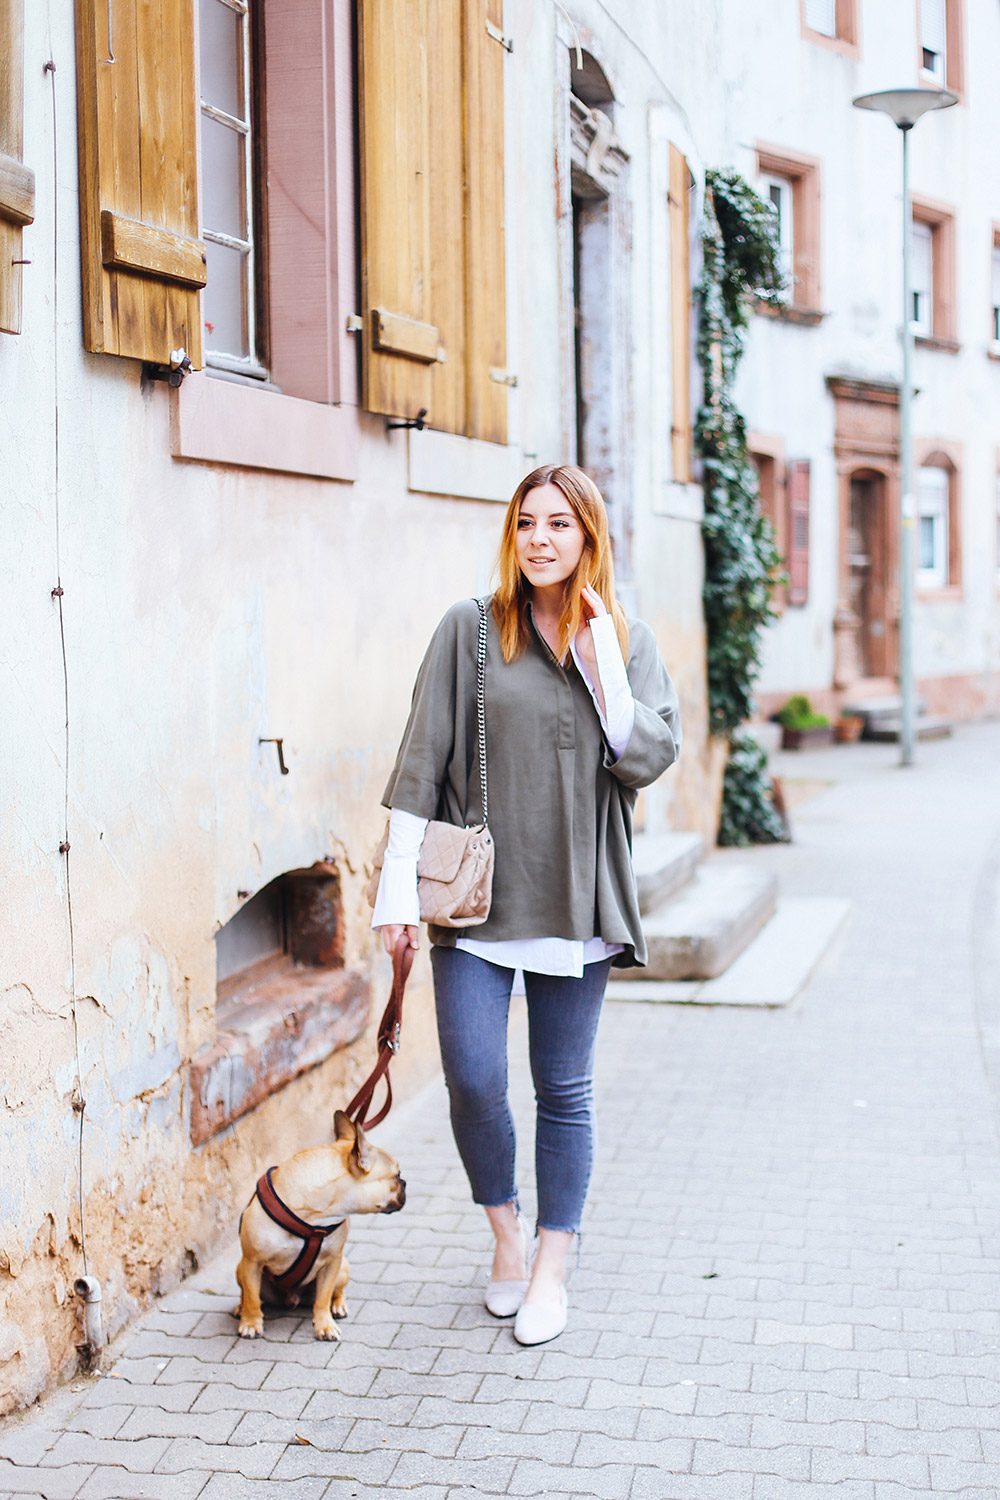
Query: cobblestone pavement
{"x": 791, "y": 1262}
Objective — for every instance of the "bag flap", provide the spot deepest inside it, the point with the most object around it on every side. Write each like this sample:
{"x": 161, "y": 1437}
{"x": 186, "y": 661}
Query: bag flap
{"x": 442, "y": 851}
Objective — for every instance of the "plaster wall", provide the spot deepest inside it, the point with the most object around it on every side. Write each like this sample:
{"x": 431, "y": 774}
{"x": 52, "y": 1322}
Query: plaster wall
{"x": 207, "y": 606}
{"x": 782, "y": 385}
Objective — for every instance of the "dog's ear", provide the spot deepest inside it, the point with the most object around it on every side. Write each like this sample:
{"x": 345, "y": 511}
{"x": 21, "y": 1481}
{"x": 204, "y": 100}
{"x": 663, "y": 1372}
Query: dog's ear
{"x": 362, "y": 1153}
{"x": 344, "y": 1128}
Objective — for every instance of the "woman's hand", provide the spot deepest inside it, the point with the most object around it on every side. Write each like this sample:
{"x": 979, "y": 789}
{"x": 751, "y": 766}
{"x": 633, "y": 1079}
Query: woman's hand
{"x": 593, "y": 604}
{"x": 391, "y": 936}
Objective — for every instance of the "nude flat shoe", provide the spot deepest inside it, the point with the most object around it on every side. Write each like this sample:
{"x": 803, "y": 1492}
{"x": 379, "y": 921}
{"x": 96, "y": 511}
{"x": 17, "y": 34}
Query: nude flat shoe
{"x": 503, "y": 1298}
{"x": 538, "y": 1323}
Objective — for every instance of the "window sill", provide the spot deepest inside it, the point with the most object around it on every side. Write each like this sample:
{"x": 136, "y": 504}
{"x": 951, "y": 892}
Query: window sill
{"x": 287, "y": 1024}
{"x": 838, "y": 44}
{"x": 937, "y": 593}
{"x": 927, "y": 341}
{"x": 808, "y": 317}
{"x": 993, "y": 352}
{"x": 442, "y": 463}
{"x": 215, "y": 420}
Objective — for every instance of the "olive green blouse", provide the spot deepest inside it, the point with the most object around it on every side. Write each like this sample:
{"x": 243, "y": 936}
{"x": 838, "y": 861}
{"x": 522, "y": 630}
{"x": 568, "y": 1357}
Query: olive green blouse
{"x": 560, "y": 805}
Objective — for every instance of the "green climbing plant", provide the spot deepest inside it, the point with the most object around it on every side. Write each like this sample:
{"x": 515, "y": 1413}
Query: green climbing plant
{"x": 740, "y": 264}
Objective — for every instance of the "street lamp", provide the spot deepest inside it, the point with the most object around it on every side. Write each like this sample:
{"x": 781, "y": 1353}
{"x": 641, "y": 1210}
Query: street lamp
{"x": 904, "y": 108}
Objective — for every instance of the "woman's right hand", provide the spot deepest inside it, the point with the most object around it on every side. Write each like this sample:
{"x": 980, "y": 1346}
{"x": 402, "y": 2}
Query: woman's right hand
{"x": 392, "y": 934}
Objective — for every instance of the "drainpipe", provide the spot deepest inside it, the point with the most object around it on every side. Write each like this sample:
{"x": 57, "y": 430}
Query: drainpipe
{"x": 88, "y": 1288}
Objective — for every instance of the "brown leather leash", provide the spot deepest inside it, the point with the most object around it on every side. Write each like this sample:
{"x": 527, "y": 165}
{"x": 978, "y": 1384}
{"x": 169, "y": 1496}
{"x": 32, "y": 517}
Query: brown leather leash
{"x": 388, "y": 1041}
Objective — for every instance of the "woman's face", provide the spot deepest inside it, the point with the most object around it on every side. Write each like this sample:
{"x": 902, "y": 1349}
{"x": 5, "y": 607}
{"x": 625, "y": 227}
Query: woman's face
{"x": 550, "y": 539}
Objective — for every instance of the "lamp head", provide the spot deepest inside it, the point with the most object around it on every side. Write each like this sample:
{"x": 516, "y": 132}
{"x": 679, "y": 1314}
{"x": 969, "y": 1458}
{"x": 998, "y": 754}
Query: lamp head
{"x": 905, "y": 106}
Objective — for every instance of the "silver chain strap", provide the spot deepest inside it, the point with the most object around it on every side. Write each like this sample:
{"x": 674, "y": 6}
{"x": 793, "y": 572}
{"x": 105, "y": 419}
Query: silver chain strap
{"x": 481, "y": 705}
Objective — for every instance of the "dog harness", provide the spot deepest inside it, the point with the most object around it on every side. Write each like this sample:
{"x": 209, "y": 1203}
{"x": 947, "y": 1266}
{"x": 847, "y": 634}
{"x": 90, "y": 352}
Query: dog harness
{"x": 312, "y": 1235}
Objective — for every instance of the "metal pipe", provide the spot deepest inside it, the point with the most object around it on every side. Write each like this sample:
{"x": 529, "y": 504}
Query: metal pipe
{"x": 88, "y": 1288}
{"x": 908, "y": 508}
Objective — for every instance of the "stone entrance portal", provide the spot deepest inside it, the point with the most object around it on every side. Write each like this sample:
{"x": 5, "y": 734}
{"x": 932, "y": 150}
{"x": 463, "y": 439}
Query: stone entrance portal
{"x": 866, "y": 444}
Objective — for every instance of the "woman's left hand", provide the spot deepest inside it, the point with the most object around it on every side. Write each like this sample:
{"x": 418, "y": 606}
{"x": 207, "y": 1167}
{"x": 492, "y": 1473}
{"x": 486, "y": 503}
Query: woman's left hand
{"x": 593, "y": 604}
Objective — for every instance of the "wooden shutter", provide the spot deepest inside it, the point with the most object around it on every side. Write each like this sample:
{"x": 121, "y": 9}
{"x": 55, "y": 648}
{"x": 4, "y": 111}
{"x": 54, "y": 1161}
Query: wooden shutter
{"x": 17, "y": 183}
{"x": 432, "y": 252}
{"x": 143, "y": 263}
{"x": 798, "y": 530}
{"x": 400, "y": 340}
{"x": 486, "y": 354}
{"x": 680, "y": 314}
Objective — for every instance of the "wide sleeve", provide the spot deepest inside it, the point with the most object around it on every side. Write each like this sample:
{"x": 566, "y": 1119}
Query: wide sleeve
{"x": 428, "y": 743}
{"x": 655, "y": 740}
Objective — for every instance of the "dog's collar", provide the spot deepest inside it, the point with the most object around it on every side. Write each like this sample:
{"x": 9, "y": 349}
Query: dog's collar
{"x": 312, "y": 1235}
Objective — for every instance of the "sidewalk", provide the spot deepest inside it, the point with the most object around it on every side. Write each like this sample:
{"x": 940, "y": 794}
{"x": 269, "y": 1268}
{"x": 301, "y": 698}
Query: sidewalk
{"x": 790, "y": 1276}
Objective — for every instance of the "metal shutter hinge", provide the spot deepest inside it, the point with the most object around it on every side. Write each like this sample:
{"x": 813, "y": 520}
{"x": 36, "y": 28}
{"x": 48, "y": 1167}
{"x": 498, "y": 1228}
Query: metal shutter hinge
{"x": 498, "y": 36}
{"x": 500, "y": 377}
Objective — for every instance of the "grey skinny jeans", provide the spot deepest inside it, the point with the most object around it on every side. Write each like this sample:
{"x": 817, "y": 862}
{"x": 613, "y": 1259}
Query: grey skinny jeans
{"x": 473, "y": 1001}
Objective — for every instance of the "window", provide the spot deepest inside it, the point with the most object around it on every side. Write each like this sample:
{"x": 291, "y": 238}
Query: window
{"x": 932, "y": 274}
{"x": 922, "y": 279}
{"x": 834, "y": 23}
{"x": 933, "y": 40}
{"x": 933, "y": 485}
{"x": 778, "y": 191}
{"x": 767, "y": 454}
{"x": 995, "y": 295}
{"x": 941, "y": 44}
{"x": 229, "y": 302}
{"x": 997, "y": 533}
{"x": 284, "y": 1000}
{"x": 17, "y": 182}
{"x": 680, "y": 312}
{"x": 790, "y": 183}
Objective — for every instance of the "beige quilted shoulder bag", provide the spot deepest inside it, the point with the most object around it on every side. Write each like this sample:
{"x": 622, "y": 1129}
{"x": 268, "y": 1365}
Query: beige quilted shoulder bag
{"x": 455, "y": 865}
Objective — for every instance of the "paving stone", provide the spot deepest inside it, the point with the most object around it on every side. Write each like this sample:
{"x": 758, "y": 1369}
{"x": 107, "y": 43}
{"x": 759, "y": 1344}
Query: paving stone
{"x": 608, "y": 1482}
{"x": 440, "y": 1441}
{"x": 652, "y": 1484}
{"x": 56, "y": 1484}
{"x": 115, "y": 1484}
{"x": 487, "y": 1442}
{"x": 109, "y": 1393}
{"x": 237, "y": 1487}
{"x": 138, "y": 1457}
{"x": 288, "y": 1402}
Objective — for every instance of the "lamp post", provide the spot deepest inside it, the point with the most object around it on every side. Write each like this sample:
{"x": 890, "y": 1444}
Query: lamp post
{"x": 904, "y": 108}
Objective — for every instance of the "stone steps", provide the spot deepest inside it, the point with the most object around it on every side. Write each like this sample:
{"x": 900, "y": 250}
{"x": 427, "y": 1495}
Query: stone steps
{"x": 927, "y": 727}
{"x": 697, "y": 932}
{"x": 664, "y": 863}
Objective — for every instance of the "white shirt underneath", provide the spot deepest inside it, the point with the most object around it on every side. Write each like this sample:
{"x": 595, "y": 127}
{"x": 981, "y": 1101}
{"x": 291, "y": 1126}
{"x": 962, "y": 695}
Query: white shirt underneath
{"x": 397, "y": 902}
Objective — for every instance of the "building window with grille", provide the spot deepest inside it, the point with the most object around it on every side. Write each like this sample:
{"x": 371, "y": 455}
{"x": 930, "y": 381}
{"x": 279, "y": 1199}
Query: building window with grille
{"x": 230, "y": 302}
{"x": 933, "y": 549}
{"x": 831, "y": 22}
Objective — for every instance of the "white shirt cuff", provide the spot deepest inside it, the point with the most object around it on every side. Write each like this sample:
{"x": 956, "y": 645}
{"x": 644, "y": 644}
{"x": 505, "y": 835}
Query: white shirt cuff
{"x": 619, "y": 705}
{"x": 397, "y": 902}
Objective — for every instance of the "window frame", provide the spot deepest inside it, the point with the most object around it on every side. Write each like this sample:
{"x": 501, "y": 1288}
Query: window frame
{"x": 993, "y": 343}
{"x": 252, "y": 364}
{"x": 847, "y": 38}
{"x": 767, "y": 454}
{"x": 940, "y": 219}
{"x": 953, "y": 72}
{"x": 935, "y": 575}
{"x": 803, "y": 172}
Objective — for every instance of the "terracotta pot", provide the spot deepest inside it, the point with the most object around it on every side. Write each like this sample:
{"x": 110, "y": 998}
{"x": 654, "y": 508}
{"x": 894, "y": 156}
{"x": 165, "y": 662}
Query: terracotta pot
{"x": 848, "y": 728}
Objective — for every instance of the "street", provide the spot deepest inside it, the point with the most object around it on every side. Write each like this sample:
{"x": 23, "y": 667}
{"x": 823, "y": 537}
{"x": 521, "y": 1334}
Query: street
{"x": 789, "y": 1279}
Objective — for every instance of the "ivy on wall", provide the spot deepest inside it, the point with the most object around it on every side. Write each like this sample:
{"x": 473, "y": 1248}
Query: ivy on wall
{"x": 740, "y": 264}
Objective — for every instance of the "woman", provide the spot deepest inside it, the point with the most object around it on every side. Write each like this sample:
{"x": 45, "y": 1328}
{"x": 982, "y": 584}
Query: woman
{"x": 572, "y": 733}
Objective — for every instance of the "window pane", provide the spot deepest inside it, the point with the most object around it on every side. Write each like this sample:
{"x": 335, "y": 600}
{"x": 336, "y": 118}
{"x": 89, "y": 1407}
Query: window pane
{"x": 996, "y": 293}
{"x": 926, "y": 544}
{"x": 221, "y": 34}
{"x": 922, "y": 276}
{"x": 821, "y": 16}
{"x": 223, "y": 195}
{"x": 224, "y": 301}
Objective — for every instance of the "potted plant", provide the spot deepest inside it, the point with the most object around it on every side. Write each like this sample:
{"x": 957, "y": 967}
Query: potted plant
{"x": 800, "y": 727}
{"x": 848, "y": 728}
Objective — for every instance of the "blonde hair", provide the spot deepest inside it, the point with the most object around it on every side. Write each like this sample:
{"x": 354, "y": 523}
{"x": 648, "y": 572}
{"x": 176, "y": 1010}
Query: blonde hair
{"x": 596, "y": 566}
